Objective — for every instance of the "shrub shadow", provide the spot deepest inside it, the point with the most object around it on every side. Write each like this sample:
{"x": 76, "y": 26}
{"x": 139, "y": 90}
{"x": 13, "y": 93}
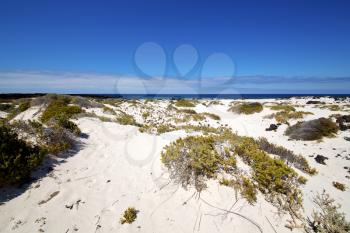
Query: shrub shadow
{"x": 45, "y": 169}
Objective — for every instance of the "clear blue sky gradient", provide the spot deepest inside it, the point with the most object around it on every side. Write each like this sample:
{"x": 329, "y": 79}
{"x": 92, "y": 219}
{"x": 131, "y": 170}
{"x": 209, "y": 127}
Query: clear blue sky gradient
{"x": 269, "y": 38}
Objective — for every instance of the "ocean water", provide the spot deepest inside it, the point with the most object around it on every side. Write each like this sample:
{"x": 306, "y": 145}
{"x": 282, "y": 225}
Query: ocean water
{"x": 213, "y": 96}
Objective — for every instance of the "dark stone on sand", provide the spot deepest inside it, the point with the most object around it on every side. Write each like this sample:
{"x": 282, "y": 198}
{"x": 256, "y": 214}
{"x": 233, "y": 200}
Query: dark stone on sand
{"x": 320, "y": 159}
{"x": 314, "y": 102}
{"x": 272, "y": 127}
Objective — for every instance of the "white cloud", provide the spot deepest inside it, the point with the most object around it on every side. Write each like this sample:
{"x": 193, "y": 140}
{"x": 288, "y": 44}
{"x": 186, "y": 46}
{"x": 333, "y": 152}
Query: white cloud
{"x": 65, "y": 82}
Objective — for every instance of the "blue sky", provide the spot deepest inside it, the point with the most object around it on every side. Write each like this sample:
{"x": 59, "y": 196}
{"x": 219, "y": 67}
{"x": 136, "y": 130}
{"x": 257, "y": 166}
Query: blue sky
{"x": 272, "y": 40}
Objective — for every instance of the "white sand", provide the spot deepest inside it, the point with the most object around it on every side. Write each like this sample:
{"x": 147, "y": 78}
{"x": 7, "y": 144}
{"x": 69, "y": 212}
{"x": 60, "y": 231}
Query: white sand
{"x": 118, "y": 167}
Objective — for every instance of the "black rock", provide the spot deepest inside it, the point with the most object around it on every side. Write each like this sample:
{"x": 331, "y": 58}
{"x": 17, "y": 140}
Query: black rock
{"x": 314, "y": 102}
{"x": 347, "y": 139}
{"x": 272, "y": 127}
{"x": 320, "y": 159}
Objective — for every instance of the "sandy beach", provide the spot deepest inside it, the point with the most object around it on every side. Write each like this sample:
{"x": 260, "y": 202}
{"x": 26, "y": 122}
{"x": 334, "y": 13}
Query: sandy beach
{"x": 115, "y": 166}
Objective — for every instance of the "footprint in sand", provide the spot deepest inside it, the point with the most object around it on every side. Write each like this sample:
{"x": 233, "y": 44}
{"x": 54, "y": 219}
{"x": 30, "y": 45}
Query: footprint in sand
{"x": 52, "y": 195}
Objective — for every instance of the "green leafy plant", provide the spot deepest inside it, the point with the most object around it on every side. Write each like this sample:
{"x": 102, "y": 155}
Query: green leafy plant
{"x": 184, "y": 103}
{"x": 327, "y": 218}
{"x": 126, "y": 119}
{"x": 58, "y": 108}
{"x": 129, "y": 216}
{"x": 17, "y": 158}
{"x": 247, "y": 108}
{"x": 312, "y": 130}
{"x": 283, "y": 107}
{"x": 339, "y": 186}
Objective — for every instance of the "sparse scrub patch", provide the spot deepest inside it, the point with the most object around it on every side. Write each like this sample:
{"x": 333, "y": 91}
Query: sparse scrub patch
{"x": 5, "y": 107}
{"x": 212, "y": 116}
{"x": 246, "y": 108}
{"x": 18, "y": 159}
{"x": 339, "y": 186}
{"x": 331, "y": 107}
{"x": 297, "y": 161}
{"x": 129, "y": 216}
{"x": 327, "y": 217}
{"x": 59, "y": 107}
{"x": 193, "y": 160}
{"x": 108, "y": 110}
{"x": 185, "y": 103}
{"x": 126, "y": 119}
{"x": 282, "y": 107}
{"x": 145, "y": 115}
{"x": 312, "y": 130}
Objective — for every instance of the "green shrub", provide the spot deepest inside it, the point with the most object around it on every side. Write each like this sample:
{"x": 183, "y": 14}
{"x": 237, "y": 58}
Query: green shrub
{"x": 297, "y": 161}
{"x": 17, "y": 159}
{"x": 145, "y": 115}
{"x": 129, "y": 216}
{"x": 212, "y": 116}
{"x": 187, "y": 111}
{"x": 247, "y": 108}
{"x": 57, "y": 139}
{"x": 58, "y": 108}
{"x": 63, "y": 121}
{"x": 339, "y": 185}
{"x": 108, "y": 110}
{"x": 165, "y": 128}
{"x": 332, "y": 107}
{"x": 5, "y": 107}
{"x": 184, "y": 103}
{"x": 194, "y": 159}
{"x": 248, "y": 191}
{"x": 282, "y": 107}
{"x": 23, "y": 105}
{"x": 327, "y": 218}
{"x": 312, "y": 130}
{"x": 284, "y": 116}
{"x": 126, "y": 119}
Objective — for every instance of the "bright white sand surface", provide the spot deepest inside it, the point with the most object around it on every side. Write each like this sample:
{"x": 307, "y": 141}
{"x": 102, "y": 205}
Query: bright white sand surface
{"x": 117, "y": 166}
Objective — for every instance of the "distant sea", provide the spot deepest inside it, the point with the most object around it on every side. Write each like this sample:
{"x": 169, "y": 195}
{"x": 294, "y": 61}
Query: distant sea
{"x": 213, "y": 96}
{"x": 182, "y": 96}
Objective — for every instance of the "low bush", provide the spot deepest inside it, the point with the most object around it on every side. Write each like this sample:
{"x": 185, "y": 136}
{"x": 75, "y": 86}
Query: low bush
{"x": 248, "y": 190}
{"x": 58, "y": 108}
{"x": 282, "y": 107}
{"x": 129, "y": 216}
{"x": 184, "y": 103}
{"x": 164, "y": 128}
{"x": 212, "y": 116}
{"x": 57, "y": 139}
{"x": 187, "y": 111}
{"x": 193, "y": 160}
{"x": 64, "y": 122}
{"x": 297, "y": 161}
{"x": 145, "y": 115}
{"x": 17, "y": 158}
{"x": 108, "y": 110}
{"x": 339, "y": 185}
{"x": 247, "y": 108}
{"x": 6, "y": 107}
{"x": 331, "y": 107}
{"x": 85, "y": 102}
{"x": 23, "y": 105}
{"x": 126, "y": 119}
{"x": 312, "y": 130}
{"x": 284, "y": 116}
{"x": 327, "y": 217}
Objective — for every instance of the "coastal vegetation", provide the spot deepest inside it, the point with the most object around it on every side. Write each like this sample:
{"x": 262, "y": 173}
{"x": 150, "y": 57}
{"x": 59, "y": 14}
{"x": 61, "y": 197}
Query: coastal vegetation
{"x": 129, "y": 216}
{"x": 18, "y": 158}
{"x": 246, "y": 108}
{"x": 312, "y": 130}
